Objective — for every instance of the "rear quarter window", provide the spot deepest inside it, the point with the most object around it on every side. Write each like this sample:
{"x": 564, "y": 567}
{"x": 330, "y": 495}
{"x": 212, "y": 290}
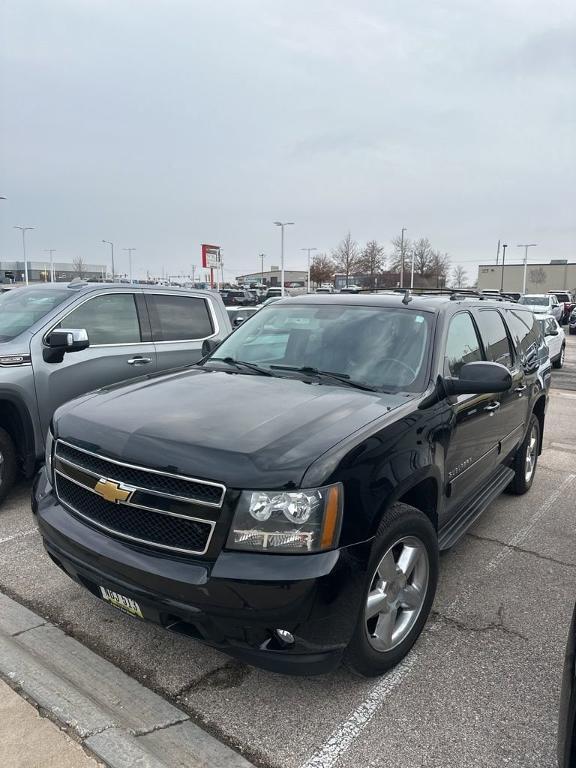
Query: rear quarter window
{"x": 179, "y": 318}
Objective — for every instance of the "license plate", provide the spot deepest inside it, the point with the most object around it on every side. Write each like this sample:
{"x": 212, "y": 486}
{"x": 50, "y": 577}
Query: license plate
{"x": 125, "y": 604}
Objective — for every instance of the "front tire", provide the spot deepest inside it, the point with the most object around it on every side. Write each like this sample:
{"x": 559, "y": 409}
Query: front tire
{"x": 526, "y": 459}
{"x": 559, "y": 362}
{"x": 8, "y": 465}
{"x": 399, "y": 591}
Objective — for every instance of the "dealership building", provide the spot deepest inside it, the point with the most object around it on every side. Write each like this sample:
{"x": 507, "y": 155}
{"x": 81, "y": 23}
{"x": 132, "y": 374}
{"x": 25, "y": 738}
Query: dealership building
{"x": 39, "y": 271}
{"x": 274, "y": 276}
{"x": 541, "y": 277}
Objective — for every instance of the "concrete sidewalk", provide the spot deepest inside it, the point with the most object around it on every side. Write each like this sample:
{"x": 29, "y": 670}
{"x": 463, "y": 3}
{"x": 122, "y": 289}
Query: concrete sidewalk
{"x": 31, "y": 741}
{"x": 114, "y": 717}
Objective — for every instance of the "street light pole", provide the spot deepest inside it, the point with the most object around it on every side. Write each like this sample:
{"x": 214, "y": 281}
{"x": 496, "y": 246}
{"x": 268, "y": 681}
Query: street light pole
{"x": 308, "y": 252}
{"x": 129, "y": 261}
{"x": 402, "y": 258}
{"x": 112, "y": 250}
{"x": 51, "y": 251}
{"x": 262, "y": 257}
{"x": 24, "y": 230}
{"x": 504, "y": 246}
{"x": 525, "y": 246}
{"x": 282, "y": 224}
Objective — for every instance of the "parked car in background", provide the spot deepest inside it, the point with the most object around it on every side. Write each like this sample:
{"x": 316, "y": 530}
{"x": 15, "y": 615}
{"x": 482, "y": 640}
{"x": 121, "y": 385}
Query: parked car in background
{"x": 275, "y": 291}
{"x": 572, "y": 322}
{"x": 58, "y": 341}
{"x": 238, "y": 297}
{"x": 542, "y": 302}
{"x": 324, "y": 289}
{"x": 567, "y": 719}
{"x": 566, "y": 301}
{"x": 237, "y": 316}
{"x": 351, "y": 289}
{"x": 292, "y": 510}
{"x": 555, "y": 338}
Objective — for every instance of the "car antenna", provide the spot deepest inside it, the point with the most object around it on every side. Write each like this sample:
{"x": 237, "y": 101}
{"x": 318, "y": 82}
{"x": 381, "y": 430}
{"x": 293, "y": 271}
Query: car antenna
{"x": 407, "y": 296}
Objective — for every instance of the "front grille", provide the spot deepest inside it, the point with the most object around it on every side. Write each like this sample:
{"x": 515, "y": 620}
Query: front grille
{"x": 210, "y": 494}
{"x": 143, "y": 526}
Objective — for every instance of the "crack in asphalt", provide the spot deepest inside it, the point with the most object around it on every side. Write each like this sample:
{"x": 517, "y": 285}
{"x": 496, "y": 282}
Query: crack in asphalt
{"x": 525, "y": 551}
{"x": 497, "y": 626}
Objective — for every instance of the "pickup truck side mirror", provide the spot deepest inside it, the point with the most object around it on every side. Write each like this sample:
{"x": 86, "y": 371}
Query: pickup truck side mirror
{"x": 477, "y": 378}
{"x": 64, "y": 340}
{"x": 552, "y": 332}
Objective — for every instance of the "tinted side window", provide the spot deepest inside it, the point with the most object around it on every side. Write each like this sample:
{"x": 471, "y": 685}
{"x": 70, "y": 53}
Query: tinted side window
{"x": 525, "y": 332}
{"x": 109, "y": 319}
{"x": 179, "y": 318}
{"x": 495, "y": 337}
{"x": 462, "y": 345}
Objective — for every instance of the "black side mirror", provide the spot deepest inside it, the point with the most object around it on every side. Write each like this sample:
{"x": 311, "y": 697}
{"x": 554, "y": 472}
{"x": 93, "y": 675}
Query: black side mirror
{"x": 238, "y": 321}
{"x": 209, "y": 346}
{"x": 478, "y": 378}
{"x": 64, "y": 340}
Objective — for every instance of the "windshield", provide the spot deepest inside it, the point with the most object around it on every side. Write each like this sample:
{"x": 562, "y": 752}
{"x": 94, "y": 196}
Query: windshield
{"x": 22, "y": 307}
{"x": 534, "y": 301}
{"x": 384, "y": 348}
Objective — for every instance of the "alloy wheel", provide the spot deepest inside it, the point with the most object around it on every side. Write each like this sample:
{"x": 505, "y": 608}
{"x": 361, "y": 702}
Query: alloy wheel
{"x": 397, "y": 593}
{"x": 531, "y": 454}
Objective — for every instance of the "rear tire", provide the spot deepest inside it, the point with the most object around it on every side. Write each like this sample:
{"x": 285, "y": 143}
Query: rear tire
{"x": 8, "y": 465}
{"x": 526, "y": 459}
{"x": 398, "y": 593}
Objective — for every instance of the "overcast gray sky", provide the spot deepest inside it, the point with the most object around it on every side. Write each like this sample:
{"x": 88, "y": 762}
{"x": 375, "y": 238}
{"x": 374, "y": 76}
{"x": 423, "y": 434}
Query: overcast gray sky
{"x": 162, "y": 125}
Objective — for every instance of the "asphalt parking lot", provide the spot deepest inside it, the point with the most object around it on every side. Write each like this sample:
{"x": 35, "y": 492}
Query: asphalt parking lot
{"x": 480, "y": 688}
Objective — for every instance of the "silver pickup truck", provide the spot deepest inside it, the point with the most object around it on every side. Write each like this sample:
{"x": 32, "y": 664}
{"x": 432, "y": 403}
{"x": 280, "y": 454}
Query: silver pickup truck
{"x": 58, "y": 341}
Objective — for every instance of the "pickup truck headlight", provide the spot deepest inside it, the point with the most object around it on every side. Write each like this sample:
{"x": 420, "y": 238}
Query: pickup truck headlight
{"x": 48, "y": 455}
{"x": 288, "y": 521}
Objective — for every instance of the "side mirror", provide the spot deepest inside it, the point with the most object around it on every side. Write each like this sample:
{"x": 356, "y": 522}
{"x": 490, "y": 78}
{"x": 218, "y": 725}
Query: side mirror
{"x": 553, "y": 332}
{"x": 477, "y": 378}
{"x": 238, "y": 321}
{"x": 64, "y": 340}
{"x": 209, "y": 346}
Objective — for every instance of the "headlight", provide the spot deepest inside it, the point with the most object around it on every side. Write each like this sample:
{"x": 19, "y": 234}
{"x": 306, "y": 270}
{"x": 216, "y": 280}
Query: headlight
{"x": 288, "y": 521}
{"x": 48, "y": 454}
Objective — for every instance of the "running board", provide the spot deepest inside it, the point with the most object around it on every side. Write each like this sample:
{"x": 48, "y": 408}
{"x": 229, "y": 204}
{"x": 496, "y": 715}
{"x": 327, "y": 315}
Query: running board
{"x": 458, "y": 526}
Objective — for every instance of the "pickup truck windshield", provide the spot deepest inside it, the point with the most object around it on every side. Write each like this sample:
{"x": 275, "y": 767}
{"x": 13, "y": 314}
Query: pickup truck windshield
{"x": 383, "y": 348}
{"x": 22, "y": 307}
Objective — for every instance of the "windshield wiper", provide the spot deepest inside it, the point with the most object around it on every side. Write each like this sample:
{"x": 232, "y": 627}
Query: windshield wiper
{"x": 241, "y": 364}
{"x": 343, "y": 378}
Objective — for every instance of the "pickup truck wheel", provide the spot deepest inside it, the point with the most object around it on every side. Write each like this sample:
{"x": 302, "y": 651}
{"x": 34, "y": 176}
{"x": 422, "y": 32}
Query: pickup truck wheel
{"x": 7, "y": 463}
{"x": 400, "y": 588}
{"x": 526, "y": 459}
{"x": 559, "y": 362}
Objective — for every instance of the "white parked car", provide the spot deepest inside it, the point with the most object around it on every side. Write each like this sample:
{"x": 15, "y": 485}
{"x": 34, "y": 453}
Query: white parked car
{"x": 555, "y": 338}
{"x": 543, "y": 302}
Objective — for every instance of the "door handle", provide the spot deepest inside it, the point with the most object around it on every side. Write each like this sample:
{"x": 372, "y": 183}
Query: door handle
{"x": 138, "y": 360}
{"x": 521, "y": 388}
{"x": 492, "y": 407}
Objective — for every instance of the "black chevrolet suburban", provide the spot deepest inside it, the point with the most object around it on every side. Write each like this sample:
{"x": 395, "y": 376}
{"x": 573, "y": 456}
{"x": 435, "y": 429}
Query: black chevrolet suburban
{"x": 285, "y": 499}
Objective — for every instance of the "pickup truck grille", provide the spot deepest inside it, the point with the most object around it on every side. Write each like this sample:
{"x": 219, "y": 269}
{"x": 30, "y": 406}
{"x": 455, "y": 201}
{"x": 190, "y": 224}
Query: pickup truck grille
{"x": 134, "y": 503}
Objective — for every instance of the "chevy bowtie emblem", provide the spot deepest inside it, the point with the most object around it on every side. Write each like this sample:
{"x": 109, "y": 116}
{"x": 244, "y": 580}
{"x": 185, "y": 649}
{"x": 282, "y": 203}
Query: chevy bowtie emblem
{"x": 112, "y": 491}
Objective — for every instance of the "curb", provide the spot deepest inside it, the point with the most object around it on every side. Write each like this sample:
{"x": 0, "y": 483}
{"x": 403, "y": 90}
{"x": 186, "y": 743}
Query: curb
{"x": 112, "y": 715}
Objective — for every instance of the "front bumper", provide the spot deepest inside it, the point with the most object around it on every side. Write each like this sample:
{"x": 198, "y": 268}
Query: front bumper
{"x": 233, "y": 603}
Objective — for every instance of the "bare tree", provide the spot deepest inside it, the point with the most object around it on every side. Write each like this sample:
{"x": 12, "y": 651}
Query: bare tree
{"x": 322, "y": 269}
{"x": 78, "y": 264}
{"x": 538, "y": 276}
{"x": 423, "y": 257}
{"x": 459, "y": 276}
{"x": 372, "y": 260}
{"x": 439, "y": 268}
{"x": 401, "y": 249}
{"x": 347, "y": 256}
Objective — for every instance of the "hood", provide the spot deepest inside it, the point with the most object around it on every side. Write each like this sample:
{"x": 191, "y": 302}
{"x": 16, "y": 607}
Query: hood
{"x": 245, "y": 431}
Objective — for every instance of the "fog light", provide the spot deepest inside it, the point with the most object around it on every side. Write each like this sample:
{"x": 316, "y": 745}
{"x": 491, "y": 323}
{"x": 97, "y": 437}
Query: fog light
{"x": 285, "y": 637}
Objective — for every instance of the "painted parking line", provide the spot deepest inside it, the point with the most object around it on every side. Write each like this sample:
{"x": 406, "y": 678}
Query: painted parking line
{"x": 18, "y": 535}
{"x": 347, "y": 732}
